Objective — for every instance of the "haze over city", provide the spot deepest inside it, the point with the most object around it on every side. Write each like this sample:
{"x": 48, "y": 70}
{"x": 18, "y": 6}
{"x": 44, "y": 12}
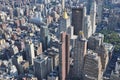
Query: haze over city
{"x": 59, "y": 39}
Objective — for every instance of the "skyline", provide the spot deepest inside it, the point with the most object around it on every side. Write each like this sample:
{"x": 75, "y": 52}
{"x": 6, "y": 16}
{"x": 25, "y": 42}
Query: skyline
{"x": 59, "y": 39}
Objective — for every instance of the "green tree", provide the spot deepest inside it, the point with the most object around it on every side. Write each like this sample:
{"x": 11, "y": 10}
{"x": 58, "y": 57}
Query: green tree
{"x": 113, "y": 38}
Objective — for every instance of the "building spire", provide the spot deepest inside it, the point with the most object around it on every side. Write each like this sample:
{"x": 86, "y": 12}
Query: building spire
{"x": 65, "y": 15}
{"x": 81, "y": 34}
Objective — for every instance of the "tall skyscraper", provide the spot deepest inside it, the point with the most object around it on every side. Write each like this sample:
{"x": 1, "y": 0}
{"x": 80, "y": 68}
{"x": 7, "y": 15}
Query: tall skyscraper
{"x": 42, "y": 66}
{"x": 93, "y": 16}
{"x": 45, "y": 38}
{"x": 99, "y": 10}
{"x": 87, "y": 28}
{"x": 64, "y": 21}
{"x": 89, "y": 4}
{"x": 63, "y": 4}
{"x": 77, "y": 19}
{"x": 64, "y": 56}
{"x": 30, "y": 54}
{"x": 79, "y": 53}
{"x": 65, "y": 24}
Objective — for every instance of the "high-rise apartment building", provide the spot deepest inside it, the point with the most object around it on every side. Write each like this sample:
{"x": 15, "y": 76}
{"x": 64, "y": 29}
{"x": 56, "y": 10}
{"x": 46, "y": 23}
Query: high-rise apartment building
{"x": 95, "y": 42}
{"x": 80, "y": 49}
{"x": 64, "y": 56}
{"x": 104, "y": 55}
{"x": 92, "y": 66}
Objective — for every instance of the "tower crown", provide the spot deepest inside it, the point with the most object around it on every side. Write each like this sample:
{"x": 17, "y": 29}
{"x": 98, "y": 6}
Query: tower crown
{"x": 81, "y": 34}
{"x": 65, "y": 15}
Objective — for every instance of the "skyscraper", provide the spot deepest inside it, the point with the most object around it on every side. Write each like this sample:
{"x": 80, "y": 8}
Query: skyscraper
{"x": 92, "y": 66}
{"x": 16, "y": 59}
{"x": 45, "y": 38}
{"x": 104, "y": 55}
{"x": 99, "y": 10}
{"x": 79, "y": 53}
{"x": 42, "y": 66}
{"x": 87, "y": 28}
{"x": 89, "y": 4}
{"x": 96, "y": 40}
{"x": 65, "y": 24}
{"x": 77, "y": 19}
{"x": 64, "y": 21}
{"x": 63, "y": 4}
{"x": 64, "y": 56}
{"x": 30, "y": 54}
{"x": 93, "y": 16}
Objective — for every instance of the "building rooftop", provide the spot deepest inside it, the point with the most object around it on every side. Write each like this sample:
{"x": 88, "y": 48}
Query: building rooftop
{"x": 108, "y": 46}
{"x": 40, "y": 58}
{"x": 92, "y": 55}
{"x": 97, "y": 35}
